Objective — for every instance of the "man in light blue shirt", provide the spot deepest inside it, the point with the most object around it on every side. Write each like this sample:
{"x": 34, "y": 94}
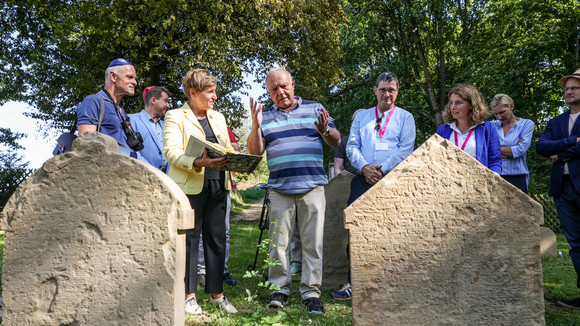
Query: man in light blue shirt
{"x": 380, "y": 138}
{"x": 148, "y": 122}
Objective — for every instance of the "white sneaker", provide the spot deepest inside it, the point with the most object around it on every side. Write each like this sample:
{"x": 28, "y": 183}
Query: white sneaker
{"x": 224, "y": 304}
{"x": 191, "y": 306}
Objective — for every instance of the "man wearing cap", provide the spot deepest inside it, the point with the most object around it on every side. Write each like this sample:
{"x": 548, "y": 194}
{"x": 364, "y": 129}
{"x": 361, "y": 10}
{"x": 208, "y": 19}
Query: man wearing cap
{"x": 148, "y": 122}
{"x": 560, "y": 142}
{"x": 120, "y": 80}
{"x": 380, "y": 138}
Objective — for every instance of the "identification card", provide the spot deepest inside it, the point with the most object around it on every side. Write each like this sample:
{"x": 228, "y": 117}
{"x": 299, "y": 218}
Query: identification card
{"x": 382, "y": 147}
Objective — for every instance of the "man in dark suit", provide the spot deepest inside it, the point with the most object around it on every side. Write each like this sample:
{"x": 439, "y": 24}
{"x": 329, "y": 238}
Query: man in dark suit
{"x": 148, "y": 122}
{"x": 560, "y": 142}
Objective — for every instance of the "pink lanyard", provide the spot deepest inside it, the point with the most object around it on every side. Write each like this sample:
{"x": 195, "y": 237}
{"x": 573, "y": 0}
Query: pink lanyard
{"x": 382, "y": 130}
{"x": 466, "y": 139}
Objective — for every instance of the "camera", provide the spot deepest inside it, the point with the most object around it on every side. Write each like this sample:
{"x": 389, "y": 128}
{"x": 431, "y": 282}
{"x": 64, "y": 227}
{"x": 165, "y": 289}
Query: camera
{"x": 134, "y": 139}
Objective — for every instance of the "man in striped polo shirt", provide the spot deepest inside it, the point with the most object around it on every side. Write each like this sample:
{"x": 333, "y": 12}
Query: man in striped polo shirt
{"x": 291, "y": 131}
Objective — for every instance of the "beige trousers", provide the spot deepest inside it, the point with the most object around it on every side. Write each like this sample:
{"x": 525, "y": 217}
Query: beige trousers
{"x": 308, "y": 210}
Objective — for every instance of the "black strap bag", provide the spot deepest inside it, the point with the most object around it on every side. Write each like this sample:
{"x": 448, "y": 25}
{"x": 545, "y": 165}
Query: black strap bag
{"x": 64, "y": 141}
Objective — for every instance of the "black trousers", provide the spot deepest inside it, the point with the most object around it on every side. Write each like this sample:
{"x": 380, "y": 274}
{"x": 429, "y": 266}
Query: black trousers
{"x": 210, "y": 220}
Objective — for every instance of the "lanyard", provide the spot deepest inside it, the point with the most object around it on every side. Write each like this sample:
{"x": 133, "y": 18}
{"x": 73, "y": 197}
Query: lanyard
{"x": 382, "y": 130}
{"x": 466, "y": 139}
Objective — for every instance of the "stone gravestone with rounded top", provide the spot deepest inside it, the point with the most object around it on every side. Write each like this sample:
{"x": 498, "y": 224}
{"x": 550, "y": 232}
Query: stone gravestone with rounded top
{"x": 442, "y": 240}
{"x": 95, "y": 238}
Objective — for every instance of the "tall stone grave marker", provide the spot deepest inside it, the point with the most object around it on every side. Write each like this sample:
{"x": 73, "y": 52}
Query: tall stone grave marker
{"x": 442, "y": 240}
{"x": 335, "y": 261}
{"x": 95, "y": 238}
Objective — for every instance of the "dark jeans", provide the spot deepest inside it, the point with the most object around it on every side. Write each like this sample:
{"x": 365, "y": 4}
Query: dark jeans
{"x": 518, "y": 180}
{"x": 210, "y": 216}
{"x": 568, "y": 206}
{"x": 358, "y": 186}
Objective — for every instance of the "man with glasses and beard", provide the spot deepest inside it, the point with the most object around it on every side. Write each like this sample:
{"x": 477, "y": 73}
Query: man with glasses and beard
{"x": 560, "y": 142}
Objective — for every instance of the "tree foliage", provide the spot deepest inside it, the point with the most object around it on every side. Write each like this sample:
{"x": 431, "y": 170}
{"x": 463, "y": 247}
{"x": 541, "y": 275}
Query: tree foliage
{"x": 517, "y": 47}
{"x": 56, "y": 52}
{"x": 12, "y": 170}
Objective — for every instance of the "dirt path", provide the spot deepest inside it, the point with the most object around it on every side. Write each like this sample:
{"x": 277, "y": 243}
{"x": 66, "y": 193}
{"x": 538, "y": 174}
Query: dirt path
{"x": 250, "y": 214}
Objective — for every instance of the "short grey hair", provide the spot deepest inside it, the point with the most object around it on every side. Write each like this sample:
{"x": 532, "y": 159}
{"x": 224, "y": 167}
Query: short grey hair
{"x": 388, "y": 77}
{"x": 275, "y": 70}
{"x": 115, "y": 69}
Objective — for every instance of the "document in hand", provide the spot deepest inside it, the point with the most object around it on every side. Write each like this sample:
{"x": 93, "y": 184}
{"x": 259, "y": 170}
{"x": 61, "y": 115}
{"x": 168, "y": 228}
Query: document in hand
{"x": 239, "y": 162}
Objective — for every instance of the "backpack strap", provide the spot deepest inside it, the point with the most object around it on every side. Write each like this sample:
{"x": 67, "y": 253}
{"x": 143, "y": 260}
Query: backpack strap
{"x": 101, "y": 113}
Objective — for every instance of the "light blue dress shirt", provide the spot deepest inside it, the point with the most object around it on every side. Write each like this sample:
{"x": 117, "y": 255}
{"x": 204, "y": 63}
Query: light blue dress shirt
{"x": 366, "y": 146}
{"x": 523, "y": 130}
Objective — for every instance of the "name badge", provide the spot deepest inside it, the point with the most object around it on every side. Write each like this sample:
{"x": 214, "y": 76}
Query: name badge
{"x": 382, "y": 147}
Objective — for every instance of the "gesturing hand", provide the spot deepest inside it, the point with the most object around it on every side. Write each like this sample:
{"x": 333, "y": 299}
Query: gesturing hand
{"x": 322, "y": 123}
{"x": 256, "y": 111}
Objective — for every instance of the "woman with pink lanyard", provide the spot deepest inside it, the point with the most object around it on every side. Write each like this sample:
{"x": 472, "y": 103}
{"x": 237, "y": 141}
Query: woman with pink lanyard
{"x": 466, "y": 127}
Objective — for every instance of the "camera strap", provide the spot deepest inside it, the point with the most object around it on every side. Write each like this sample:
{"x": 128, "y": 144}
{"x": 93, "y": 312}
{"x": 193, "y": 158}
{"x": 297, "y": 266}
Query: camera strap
{"x": 120, "y": 111}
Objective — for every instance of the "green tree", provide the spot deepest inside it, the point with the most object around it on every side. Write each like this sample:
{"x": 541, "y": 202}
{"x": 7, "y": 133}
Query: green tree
{"x": 518, "y": 47}
{"x": 55, "y": 52}
{"x": 12, "y": 170}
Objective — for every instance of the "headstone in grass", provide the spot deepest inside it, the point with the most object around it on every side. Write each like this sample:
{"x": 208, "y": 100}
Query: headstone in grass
{"x": 548, "y": 242}
{"x": 335, "y": 261}
{"x": 442, "y": 240}
{"x": 95, "y": 238}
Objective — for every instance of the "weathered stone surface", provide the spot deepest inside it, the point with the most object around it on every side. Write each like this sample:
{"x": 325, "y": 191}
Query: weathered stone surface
{"x": 95, "y": 238}
{"x": 443, "y": 240}
{"x": 335, "y": 261}
{"x": 548, "y": 242}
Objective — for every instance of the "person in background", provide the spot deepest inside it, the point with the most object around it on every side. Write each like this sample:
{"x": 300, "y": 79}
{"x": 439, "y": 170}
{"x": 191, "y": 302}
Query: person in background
{"x": 380, "y": 138}
{"x": 292, "y": 132}
{"x": 228, "y": 278}
{"x": 341, "y": 161}
{"x": 120, "y": 81}
{"x": 205, "y": 186}
{"x": 466, "y": 127}
{"x": 515, "y": 138}
{"x": 148, "y": 122}
{"x": 560, "y": 142}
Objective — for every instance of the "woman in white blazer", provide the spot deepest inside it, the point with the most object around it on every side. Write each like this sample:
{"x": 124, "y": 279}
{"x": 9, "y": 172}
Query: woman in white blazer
{"x": 204, "y": 186}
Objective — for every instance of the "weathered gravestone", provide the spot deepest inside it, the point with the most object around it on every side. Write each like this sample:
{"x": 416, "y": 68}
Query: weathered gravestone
{"x": 548, "y": 242}
{"x": 335, "y": 261}
{"x": 443, "y": 240}
{"x": 95, "y": 238}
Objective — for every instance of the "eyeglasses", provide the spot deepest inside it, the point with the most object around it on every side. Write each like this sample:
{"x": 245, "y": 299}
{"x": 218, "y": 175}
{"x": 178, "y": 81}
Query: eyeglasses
{"x": 391, "y": 91}
{"x": 572, "y": 88}
{"x": 378, "y": 126}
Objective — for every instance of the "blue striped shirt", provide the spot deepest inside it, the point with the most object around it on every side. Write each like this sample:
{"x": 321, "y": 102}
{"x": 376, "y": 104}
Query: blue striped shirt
{"x": 523, "y": 130}
{"x": 294, "y": 147}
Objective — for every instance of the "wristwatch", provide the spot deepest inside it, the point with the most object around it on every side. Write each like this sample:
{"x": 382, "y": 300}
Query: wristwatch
{"x": 326, "y": 132}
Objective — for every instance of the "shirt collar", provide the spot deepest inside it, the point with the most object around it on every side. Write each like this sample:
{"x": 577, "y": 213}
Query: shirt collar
{"x": 453, "y": 127}
{"x": 298, "y": 103}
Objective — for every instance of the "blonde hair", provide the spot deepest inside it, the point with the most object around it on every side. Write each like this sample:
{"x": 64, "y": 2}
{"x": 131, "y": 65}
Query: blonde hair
{"x": 502, "y": 99}
{"x": 198, "y": 80}
{"x": 468, "y": 93}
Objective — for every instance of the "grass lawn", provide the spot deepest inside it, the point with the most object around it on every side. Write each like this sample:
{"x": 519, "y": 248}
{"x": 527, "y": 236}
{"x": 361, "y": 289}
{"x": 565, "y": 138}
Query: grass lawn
{"x": 559, "y": 283}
